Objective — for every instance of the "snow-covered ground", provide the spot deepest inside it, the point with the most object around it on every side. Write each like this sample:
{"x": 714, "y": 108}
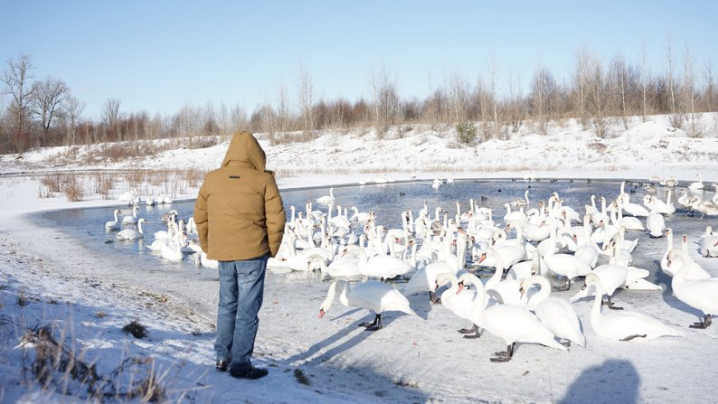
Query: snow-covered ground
{"x": 48, "y": 278}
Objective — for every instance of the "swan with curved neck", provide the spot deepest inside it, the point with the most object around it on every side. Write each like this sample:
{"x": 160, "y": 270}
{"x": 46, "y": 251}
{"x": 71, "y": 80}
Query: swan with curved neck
{"x": 113, "y": 224}
{"x": 623, "y": 325}
{"x": 557, "y": 314}
{"x": 131, "y": 234}
{"x": 377, "y": 297}
{"x": 701, "y": 294}
{"x": 510, "y": 323}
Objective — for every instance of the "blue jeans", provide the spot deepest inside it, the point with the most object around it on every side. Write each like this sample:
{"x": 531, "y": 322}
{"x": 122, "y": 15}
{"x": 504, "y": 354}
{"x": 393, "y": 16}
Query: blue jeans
{"x": 241, "y": 289}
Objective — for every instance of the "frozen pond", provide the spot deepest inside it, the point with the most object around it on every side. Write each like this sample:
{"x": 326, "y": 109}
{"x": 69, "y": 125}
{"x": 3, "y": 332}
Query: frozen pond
{"x": 388, "y": 201}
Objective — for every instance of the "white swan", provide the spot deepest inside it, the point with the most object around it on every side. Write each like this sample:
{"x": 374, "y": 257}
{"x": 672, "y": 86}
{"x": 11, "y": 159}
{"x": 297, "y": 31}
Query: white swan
{"x": 172, "y": 249}
{"x": 521, "y": 202}
{"x": 612, "y": 277}
{"x": 327, "y": 199}
{"x": 632, "y": 209}
{"x": 701, "y": 294}
{"x": 127, "y": 220}
{"x": 131, "y": 234}
{"x": 709, "y": 243}
{"x": 507, "y": 289}
{"x": 556, "y": 313}
{"x": 377, "y": 297}
{"x": 586, "y": 250}
{"x": 201, "y": 260}
{"x": 655, "y": 223}
{"x": 424, "y": 279}
{"x": 380, "y": 266}
{"x": 672, "y": 267}
{"x": 510, "y": 323}
{"x": 697, "y": 185}
{"x": 623, "y": 325}
{"x": 460, "y": 304}
{"x": 566, "y": 265}
{"x": 113, "y": 224}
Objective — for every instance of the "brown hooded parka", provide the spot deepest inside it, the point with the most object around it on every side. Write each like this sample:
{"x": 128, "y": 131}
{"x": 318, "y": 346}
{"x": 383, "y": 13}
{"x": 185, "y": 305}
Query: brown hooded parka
{"x": 239, "y": 212}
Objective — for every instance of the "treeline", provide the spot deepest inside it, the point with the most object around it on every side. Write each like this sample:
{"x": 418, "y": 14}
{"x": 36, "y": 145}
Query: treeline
{"x": 44, "y": 112}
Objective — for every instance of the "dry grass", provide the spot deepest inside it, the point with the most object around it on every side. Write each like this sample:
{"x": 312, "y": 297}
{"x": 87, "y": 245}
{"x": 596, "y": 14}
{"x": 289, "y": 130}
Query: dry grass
{"x": 73, "y": 186}
{"x": 55, "y": 365}
{"x": 103, "y": 185}
{"x": 53, "y": 182}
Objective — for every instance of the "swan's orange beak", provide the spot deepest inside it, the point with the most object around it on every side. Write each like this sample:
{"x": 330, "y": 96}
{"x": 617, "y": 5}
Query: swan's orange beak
{"x": 321, "y": 313}
{"x": 461, "y": 287}
{"x": 522, "y": 291}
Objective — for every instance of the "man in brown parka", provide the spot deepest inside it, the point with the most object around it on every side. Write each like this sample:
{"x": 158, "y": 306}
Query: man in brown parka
{"x": 240, "y": 220}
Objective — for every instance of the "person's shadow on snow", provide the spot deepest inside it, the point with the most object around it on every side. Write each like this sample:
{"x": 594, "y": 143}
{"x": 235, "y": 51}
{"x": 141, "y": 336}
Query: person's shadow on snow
{"x": 615, "y": 381}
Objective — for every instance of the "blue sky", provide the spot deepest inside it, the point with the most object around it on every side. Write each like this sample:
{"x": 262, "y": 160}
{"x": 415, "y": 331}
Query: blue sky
{"x": 160, "y": 55}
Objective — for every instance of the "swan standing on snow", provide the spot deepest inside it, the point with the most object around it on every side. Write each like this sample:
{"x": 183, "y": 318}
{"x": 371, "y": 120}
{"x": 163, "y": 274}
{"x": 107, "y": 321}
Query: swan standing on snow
{"x": 377, "y": 297}
{"x": 624, "y": 326}
{"x": 131, "y": 234}
{"x": 655, "y": 223}
{"x": 709, "y": 243}
{"x": 113, "y": 224}
{"x": 701, "y": 294}
{"x": 510, "y": 323}
{"x": 566, "y": 265}
{"x": 556, "y": 313}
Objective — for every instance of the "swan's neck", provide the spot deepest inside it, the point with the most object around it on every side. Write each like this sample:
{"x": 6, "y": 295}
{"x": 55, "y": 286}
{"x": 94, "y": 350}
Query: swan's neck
{"x": 543, "y": 293}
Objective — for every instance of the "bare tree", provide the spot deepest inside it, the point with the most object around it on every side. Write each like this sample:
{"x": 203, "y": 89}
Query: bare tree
{"x": 457, "y": 91}
{"x": 283, "y": 110}
{"x": 599, "y": 98}
{"x": 305, "y": 92}
{"x": 580, "y": 78}
{"x": 541, "y": 86}
{"x": 676, "y": 119}
{"x": 73, "y": 108}
{"x": 689, "y": 94}
{"x": 238, "y": 118}
{"x": 515, "y": 107}
{"x": 16, "y": 81}
{"x": 47, "y": 95}
{"x": 644, "y": 82}
{"x": 224, "y": 121}
{"x": 710, "y": 90}
{"x": 385, "y": 99}
{"x": 619, "y": 74}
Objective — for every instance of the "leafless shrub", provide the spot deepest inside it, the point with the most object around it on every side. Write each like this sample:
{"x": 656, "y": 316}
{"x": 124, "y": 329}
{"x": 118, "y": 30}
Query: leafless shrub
{"x": 204, "y": 142}
{"x": 73, "y": 187}
{"x": 44, "y": 192}
{"x": 103, "y": 185}
{"x": 597, "y": 147}
{"x": 159, "y": 177}
{"x": 193, "y": 177}
{"x": 135, "y": 178}
{"x": 22, "y": 298}
{"x": 301, "y": 377}
{"x": 136, "y": 329}
{"x": 53, "y": 182}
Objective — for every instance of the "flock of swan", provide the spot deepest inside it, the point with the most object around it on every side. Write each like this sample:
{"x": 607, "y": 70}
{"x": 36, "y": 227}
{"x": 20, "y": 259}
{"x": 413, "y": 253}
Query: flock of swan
{"x": 532, "y": 250}
{"x": 536, "y": 248}
{"x": 173, "y": 244}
